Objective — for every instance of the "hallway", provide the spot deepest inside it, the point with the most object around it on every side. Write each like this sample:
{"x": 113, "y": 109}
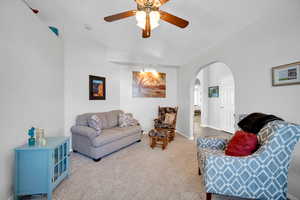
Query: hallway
{"x": 206, "y": 131}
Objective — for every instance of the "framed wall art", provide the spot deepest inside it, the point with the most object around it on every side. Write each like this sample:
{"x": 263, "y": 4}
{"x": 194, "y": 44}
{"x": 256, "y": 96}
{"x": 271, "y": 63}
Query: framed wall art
{"x": 97, "y": 88}
{"x": 286, "y": 74}
{"x": 149, "y": 84}
{"x": 213, "y": 91}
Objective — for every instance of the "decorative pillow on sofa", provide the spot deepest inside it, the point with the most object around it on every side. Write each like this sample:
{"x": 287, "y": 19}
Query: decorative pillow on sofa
{"x": 242, "y": 144}
{"x": 126, "y": 119}
{"x": 95, "y": 123}
{"x": 169, "y": 118}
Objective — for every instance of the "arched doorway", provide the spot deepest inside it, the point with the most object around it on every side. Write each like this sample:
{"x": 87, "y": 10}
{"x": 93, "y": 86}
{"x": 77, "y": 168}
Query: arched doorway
{"x": 213, "y": 99}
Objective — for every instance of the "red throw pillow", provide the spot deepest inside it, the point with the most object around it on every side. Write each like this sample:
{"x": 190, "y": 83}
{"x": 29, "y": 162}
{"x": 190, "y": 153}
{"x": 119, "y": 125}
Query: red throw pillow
{"x": 242, "y": 144}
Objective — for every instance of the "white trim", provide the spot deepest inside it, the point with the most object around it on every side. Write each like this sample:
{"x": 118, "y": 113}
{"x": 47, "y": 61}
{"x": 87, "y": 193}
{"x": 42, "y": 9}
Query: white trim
{"x": 209, "y": 126}
{"x": 189, "y": 138}
{"x": 11, "y": 197}
{"x": 218, "y": 129}
{"x": 291, "y": 197}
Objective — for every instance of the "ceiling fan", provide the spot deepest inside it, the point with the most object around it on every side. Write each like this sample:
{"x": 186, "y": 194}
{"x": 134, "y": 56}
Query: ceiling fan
{"x": 148, "y": 15}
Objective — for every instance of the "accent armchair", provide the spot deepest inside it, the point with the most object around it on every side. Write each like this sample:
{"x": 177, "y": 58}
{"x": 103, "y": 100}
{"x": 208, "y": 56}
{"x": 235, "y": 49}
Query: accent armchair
{"x": 262, "y": 175}
{"x": 160, "y": 122}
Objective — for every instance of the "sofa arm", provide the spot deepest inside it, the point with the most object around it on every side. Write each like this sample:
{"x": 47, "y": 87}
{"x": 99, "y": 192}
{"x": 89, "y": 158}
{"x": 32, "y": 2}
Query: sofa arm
{"x": 216, "y": 143}
{"x": 84, "y": 131}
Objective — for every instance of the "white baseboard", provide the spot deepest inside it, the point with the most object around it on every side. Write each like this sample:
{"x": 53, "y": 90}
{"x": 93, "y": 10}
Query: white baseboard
{"x": 291, "y": 197}
{"x": 180, "y": 133}
{"x": 209, "y": 126}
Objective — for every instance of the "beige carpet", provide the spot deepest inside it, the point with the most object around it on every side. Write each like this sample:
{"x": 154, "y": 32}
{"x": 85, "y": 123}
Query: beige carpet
{"x": 136, "y": 173}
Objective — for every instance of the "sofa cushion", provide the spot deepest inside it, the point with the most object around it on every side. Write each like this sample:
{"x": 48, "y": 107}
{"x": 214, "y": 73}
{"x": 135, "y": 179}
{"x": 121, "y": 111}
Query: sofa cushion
{"x": 126, "y": 120}
{"x": 113, "y": 134}
{"x": 84, "y": 131}
{"x": 82, "y": 120}
{"x": 95, "y": 123}
{"x": 108, "y": 119}
{"x": 112, "y": 118}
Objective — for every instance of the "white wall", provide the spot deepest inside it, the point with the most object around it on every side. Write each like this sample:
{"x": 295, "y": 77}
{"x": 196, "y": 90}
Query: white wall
{"x": 250, "y": 54}
{"x": 146, "y": 109}
{"x": 84, "y": 58}
{"x": 31, "y": 80}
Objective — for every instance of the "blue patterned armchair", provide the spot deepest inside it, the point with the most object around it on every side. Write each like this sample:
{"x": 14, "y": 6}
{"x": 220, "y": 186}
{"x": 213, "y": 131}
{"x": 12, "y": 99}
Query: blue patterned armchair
{"x": 262, "y": 175}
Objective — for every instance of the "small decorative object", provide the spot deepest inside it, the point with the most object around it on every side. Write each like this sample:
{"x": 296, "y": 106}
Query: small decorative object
{"x": 54, "y": 30}
{"x": 31, "y": 140}
{"x": 213, "y": 91}
{"x": 149, "y": 84}
{"x": 97, "y": 88}
{"x": 40, "y": 136}
{"x": 286, "y": 74}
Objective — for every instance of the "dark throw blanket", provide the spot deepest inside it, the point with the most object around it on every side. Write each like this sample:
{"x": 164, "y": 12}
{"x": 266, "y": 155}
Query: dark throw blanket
{"x": 256, "y": 121}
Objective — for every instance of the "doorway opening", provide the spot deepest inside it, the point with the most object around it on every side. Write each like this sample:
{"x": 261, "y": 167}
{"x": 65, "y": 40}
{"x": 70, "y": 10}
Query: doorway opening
{"x": 214, "y": 101}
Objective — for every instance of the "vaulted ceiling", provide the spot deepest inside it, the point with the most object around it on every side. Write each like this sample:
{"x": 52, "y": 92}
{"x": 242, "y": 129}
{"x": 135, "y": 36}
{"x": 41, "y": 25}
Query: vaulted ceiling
{"x": 211, "y": 21}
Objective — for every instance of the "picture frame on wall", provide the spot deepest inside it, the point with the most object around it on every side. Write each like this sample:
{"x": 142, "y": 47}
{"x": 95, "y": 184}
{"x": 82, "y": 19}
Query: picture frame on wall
{"x": 97, "y": 88}
{"x": 149, "y": 84}
{"x": 288, "y": 74}
{"x": 213, "y": 92}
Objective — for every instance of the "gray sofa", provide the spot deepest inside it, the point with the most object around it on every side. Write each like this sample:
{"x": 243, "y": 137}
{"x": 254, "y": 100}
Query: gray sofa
{"x": 85, "y": 140}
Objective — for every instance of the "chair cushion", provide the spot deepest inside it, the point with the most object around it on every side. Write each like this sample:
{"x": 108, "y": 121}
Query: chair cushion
{"x": 113, "y": 134}
{"x": 169, "y": 118}
{"x": 242, "y": 144}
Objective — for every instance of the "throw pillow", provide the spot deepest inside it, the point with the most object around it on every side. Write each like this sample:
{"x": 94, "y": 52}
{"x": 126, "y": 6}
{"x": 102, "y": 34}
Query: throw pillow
{"x": 169, "y": 118}
{"x": 95, "y": 123}
{"x": 242, "y": 144}
{"x": 126, "y": 119}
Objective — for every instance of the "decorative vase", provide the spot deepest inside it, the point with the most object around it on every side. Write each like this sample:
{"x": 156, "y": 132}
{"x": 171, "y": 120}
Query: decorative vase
{"x": 31, "y": 141}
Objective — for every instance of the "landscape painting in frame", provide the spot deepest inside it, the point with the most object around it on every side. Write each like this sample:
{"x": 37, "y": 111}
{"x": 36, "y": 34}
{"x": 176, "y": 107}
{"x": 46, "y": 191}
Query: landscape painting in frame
{"x": 97, "y": 88}
{"x": 213, "y": 91}
{"x": 286, "y": 74}
{"x": 149, "y": 84}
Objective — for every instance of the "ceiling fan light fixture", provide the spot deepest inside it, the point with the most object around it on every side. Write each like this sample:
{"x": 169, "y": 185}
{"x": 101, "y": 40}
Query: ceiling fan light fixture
{"x": 141, "y": 19}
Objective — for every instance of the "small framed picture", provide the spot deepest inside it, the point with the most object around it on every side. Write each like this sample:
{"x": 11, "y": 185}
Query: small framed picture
{"x": 286, "y": 74}
{"x": 97, "y": 88}
{"x": 213, "y": 91}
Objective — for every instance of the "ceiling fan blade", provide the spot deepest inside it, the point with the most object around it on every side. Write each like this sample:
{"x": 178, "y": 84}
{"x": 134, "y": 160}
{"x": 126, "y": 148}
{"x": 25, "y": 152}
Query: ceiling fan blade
{"x": 147, "y": 30}
{"x": 177, "y": 21}
{"x": 120, "y": 16}
{"x": 163, "y": 1}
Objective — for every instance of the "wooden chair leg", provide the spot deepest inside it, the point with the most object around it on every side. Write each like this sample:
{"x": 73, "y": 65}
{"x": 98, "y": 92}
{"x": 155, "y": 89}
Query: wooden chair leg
{"x": 208, "y": 196}
{"x": 153, "y": 142}
{"x": 165, "y": 142}
{"x": 199, "y": 171}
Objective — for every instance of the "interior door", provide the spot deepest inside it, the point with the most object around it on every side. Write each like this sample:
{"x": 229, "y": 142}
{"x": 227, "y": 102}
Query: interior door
{"x": 227, "y": 105}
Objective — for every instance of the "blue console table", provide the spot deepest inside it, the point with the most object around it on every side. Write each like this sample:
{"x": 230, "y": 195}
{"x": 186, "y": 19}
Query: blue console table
{"x": 39, "y": 169}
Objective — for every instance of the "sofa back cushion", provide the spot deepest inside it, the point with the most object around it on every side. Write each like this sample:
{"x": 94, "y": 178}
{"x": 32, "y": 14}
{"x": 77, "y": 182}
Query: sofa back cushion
{"x": 113, "y": 118}
{"x": 108, "y": 119}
